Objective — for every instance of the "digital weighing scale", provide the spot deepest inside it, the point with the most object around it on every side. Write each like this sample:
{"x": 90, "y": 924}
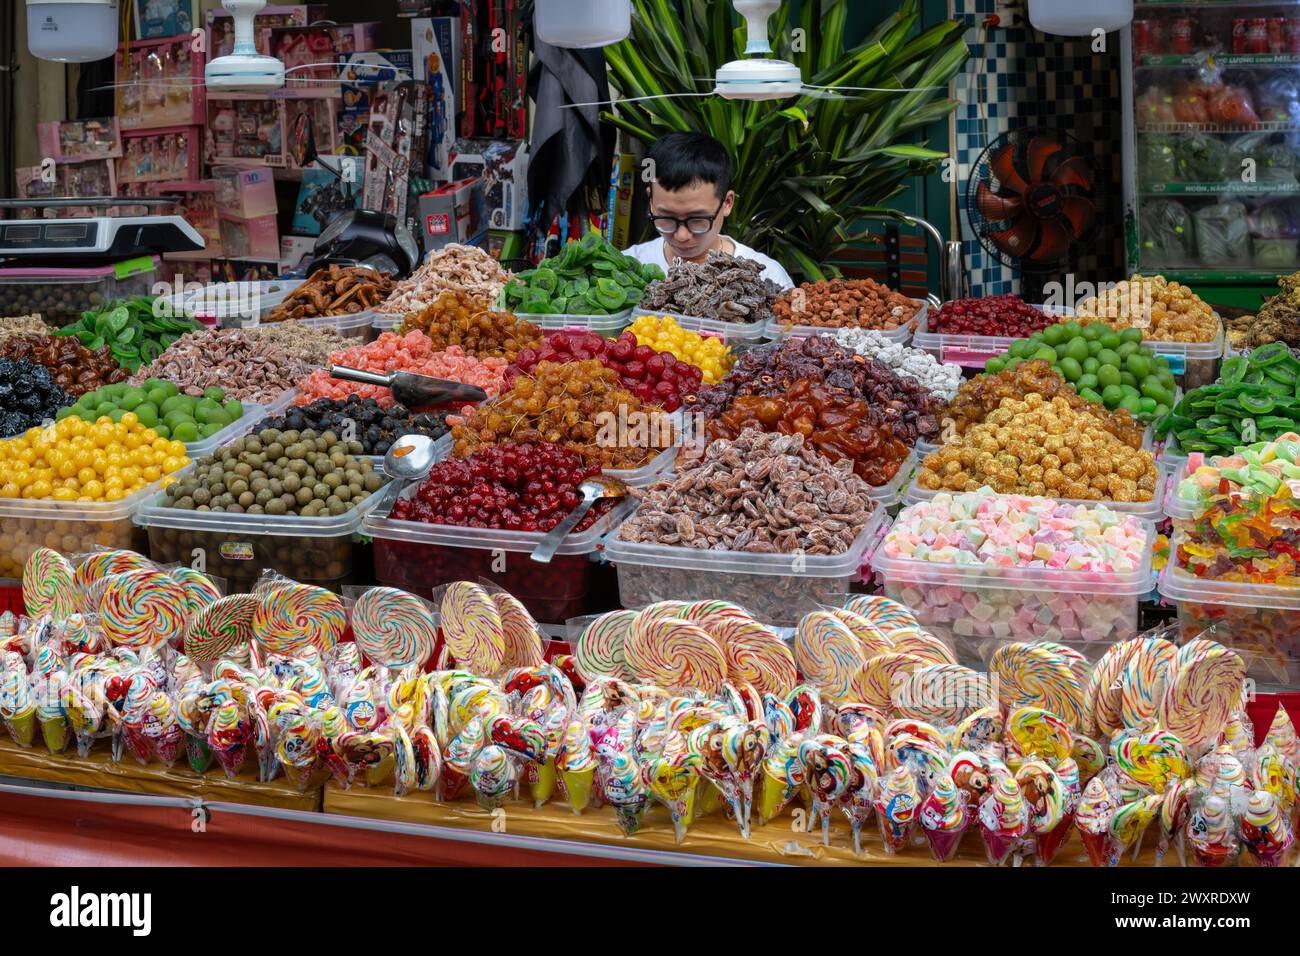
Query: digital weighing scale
{"x": 94, "y": 238}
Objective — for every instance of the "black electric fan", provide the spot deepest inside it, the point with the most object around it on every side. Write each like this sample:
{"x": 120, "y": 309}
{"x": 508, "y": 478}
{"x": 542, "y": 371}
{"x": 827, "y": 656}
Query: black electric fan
{"x": 1032, "y": 200}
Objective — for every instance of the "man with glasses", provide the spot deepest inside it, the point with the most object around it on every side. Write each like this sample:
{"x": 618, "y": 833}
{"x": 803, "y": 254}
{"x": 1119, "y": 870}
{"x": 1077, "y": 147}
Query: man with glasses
{"x": 690, "y": 199}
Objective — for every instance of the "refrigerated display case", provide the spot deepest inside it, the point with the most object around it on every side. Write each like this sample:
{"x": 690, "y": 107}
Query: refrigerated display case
{"x": 1212, "y": 144}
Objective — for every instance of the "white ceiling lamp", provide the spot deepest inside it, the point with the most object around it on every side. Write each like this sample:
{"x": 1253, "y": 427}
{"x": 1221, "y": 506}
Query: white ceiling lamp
{"x": 244, "y": 70}
{"x": 583, "y": 24}
{"x": 72, "y": 31}
{"x": 1074, "y": 19}
{"x": 757, "y": 77}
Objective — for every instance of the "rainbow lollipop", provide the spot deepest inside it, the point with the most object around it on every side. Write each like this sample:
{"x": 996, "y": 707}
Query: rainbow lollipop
{"x": 48, "y": 585}
{"x": 393, "y": 628}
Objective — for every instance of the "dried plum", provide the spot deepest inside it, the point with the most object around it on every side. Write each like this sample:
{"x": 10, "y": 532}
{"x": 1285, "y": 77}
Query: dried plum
{"x": 28, "y": 396}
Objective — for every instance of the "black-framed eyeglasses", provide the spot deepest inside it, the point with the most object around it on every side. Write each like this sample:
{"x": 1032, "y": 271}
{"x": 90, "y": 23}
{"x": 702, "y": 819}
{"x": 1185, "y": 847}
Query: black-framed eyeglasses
{"x": 695, "y": 225}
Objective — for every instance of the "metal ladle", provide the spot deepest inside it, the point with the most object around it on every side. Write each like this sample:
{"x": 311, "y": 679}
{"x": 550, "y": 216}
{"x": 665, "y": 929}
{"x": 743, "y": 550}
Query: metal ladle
{"x": 593, "y": 489}
{"x": 409, "y": 459}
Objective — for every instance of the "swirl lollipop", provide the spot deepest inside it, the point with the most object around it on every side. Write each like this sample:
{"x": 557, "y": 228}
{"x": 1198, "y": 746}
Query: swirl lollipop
{"x": 712, "y": 615}
{"x": 1144, "y": 678}
{"x": 292, "y": 616}
{"x": 141, "y": 608}
{"x": 924, "y": 645}
{"x": 1034, "y": 676}
{"x": 47, "y": 585}
{"x": 1104, "y": 689}
{"x": 1202, "y": 689}
{"x": 221, "y": 627}
{"x": 877, "y": 681}
{"x": 828, "y": 654}
{"x": 471, "y": 626}
{"x": 599, "y": 648}
{"x": 755, "y": 655}
{"x": 1039, "y": 734}
{"x": 393, "y": 628}
{"x": 523, "y": 639}
{"x": 887, "y": 615}
{"x": 943, "y": 693}
{"x": 871, "y": 639}
{"x": 677, "y": 655}
{"x": 100, "y": 564}
{"x": 828, "y": 770}
{"x": 199, "y": 589}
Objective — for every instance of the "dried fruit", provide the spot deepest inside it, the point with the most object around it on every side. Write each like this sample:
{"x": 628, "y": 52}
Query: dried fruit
{"x": 847, "y": 303}
{"x": 722, "y": 287}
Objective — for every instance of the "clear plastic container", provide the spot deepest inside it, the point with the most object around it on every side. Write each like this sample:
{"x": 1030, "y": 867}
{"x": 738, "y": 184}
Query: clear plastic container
{"x": 970, "y": 351}
{"x": 608, "y": 326}
{"x": 238, "y": 547}
{"x": 234, "y": 304}
{"x": 1152, "y": 510}
{"x": 382, "y": 322}
{"x": 776, "y": 588}
{"x": 778, "y": 331}
{"x": 419, "y": 557}
{"x": 980, "y": 607}
{"x": 351, "y": 325}
{"x": 1193, "y": 363}
{"x": 252, "y": 415}
{"x": 732, "y": 333}
{"x": 1259, "y": 621}
{"x": 69, "y": 527}
{"x": 62, "y": 294}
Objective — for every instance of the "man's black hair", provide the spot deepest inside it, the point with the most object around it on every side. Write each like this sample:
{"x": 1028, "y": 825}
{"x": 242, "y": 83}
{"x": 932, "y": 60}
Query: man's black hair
{"x": 684, "y": 159}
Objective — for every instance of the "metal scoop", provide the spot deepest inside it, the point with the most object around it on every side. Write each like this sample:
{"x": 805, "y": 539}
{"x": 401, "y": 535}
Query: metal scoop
{"x": 593, "y": 489}
{"x": 413, "y": 390}
{"x": 409, "y": 459}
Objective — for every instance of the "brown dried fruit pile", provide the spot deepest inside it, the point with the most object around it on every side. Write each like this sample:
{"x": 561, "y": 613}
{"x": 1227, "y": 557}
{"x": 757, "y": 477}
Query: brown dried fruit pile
{"x": 454, "y": 318}
{"x": 245, "y": 363}
{"x": 847, "y": 304}
{"x": 74, "y": 368}
{"x": 465, "y": 269}
{"x": 335, "y": 290}
{"x": 763, "y": 493}
{"x": 984, "y": 393}
{"x": 722, "y": 287}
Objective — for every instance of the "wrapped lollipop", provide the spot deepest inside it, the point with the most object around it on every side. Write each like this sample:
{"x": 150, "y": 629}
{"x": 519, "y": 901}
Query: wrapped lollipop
{"x": 16, "y": 706}
{"x": 458, "y": 758}
{"x": 161, "y": 724}
{"x": 625, "y": 791}
{"x": 576, "y": 762}
{"x": 1281, "y": 736}
{"x": 827, "y": 770}
{"x": 427, "y": 756}
{"x": 1047, "y": 802}
{"x": 672, "y": 780}
{"x": 1266, "y": 829}
{"x": 783, "y": 777}
{"x": 1131, "y": 820}
{"x": 86, "y": 709}
{"x": 1003, "y": 818}
{"x": 944, "y": 819}
{"x": 1175, "y": 806}
{"x": 896, "y": 806}
{"x": 493, "y": 776}
{"x": 229, "y": 732}
{"x": 55, "y": 729}
{"x": 744, "y": 745}
{"x": 1210, "y": 832}
{"x": 1093, "y": 821}
{"x": 297, "y": 745}
{"x": 859, "y": 797}
{"x": 542, "y": 777}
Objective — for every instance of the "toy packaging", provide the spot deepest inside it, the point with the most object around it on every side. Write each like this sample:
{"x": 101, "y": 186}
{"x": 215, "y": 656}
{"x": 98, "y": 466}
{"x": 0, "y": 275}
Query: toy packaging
{"x": 396, "y": 140}
{"x": 249, "y": 238}
{"x": 159, "y": 155}
{"x": 334, "y": 184}
{"x": 618, "y": 221}
{"x": 244, "y": 132}
{"x": 163, "y": 18}
{"x": 293, "y": 250}
{"x": 455, "y": 212}
{"x": 311, "y": 54}
{"x": 162, "y": 83}
{"x": 65, "y": 180}
{"x": 80, "y": 140}
{"x": 196, "y": 200}
{"x": 435, "y": 45}
{"x": 310, "y": 129}
{"x": 504, "y": 168}
{"x": 244, "y": 193}
{"x": 359, "y": 77}
{"x": 494, "y": 81}
{"x": 221, "y": 25}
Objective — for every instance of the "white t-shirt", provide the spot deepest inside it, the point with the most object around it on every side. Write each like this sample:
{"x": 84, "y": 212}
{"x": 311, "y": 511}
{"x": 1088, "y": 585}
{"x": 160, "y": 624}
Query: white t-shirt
{"x": 653, "y": 251}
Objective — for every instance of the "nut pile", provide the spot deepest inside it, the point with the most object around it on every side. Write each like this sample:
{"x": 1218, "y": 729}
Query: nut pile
{"x": 375, "y": 426}
{"x": 1165, "y": 311}
{"x": 454, "y": 267}
{"x": 1042, "y": 447}
{"x": 469, "y": 322}
{"x": 904, "y": 404}
{"x": 831, "y": 423}
{"x": 762, "y": 493}
{"x": 74, "y": 368}
{"x": 279, "y": 473}
{"x": 722, "y": 287}
{"x": 846, "y": 303}
{"x": 244, "y": 363}
{"x": 335, "y": 290}
{"x": 935, "y": 377}
{"x": 309, "y": 344}
{"x": 1278, "y": 319}
{"x": 572, "y": 404}
{"x": 984, "y": 393}
{"x": 14, "y": 325}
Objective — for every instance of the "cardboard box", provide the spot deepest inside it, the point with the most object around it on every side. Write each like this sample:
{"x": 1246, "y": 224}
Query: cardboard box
{"x": 257, "y": 238}
{"x": 452, "y": 213}
{"x": 221, "y": 25}
{"x": 330, "y": 187}
{"x": 161, "y": 83}
{"x": 160, "y": 155}
{"x": 503, "y": 167}
{"x": 435, "y": 47}
{"x": 502, "y": 244}
{"x": 76, "y": 141}
{"x": 196, "y": 200}
{"x": 311, "y": 128}
{"x": 359, "y": 77}
{"x": 245, "y": 131}
{"x": 245, "y": 193}
{"x": 311, "y": 54}
{"x": 164, "y": 18}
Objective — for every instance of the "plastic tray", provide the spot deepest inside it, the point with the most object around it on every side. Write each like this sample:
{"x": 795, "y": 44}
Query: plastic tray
{"x": 1260, "y": 621}
{"x": 62, "y": 294}
{"x": 246, "y": 423}
{"x": 234, "y": 303}
{"x": 982, "y": 606}
{"x": 238, "y": 547}
{"x": 382, "y": 322}
{"x": 778, "y": 331}
{"x": 1193, "y": 363}
{"x": 1152, "y": 510}
{"x": 608, "y": 326}
{"x": 778, "y": 588}
{"x": 351, "y": 325}
{"x": 68, "y": 527}
{"x": 732, "y": 333}
{"x": 419, "y": 557}
{"x": 971, "y": 351}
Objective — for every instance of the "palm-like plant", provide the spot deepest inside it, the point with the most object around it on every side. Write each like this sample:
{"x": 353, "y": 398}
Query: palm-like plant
{"x": 808, "y": 167}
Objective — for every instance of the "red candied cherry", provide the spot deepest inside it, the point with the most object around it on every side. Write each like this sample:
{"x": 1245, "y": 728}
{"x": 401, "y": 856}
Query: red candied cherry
{"x": 642, "y": 353}
{"x": 635, "y": 370}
